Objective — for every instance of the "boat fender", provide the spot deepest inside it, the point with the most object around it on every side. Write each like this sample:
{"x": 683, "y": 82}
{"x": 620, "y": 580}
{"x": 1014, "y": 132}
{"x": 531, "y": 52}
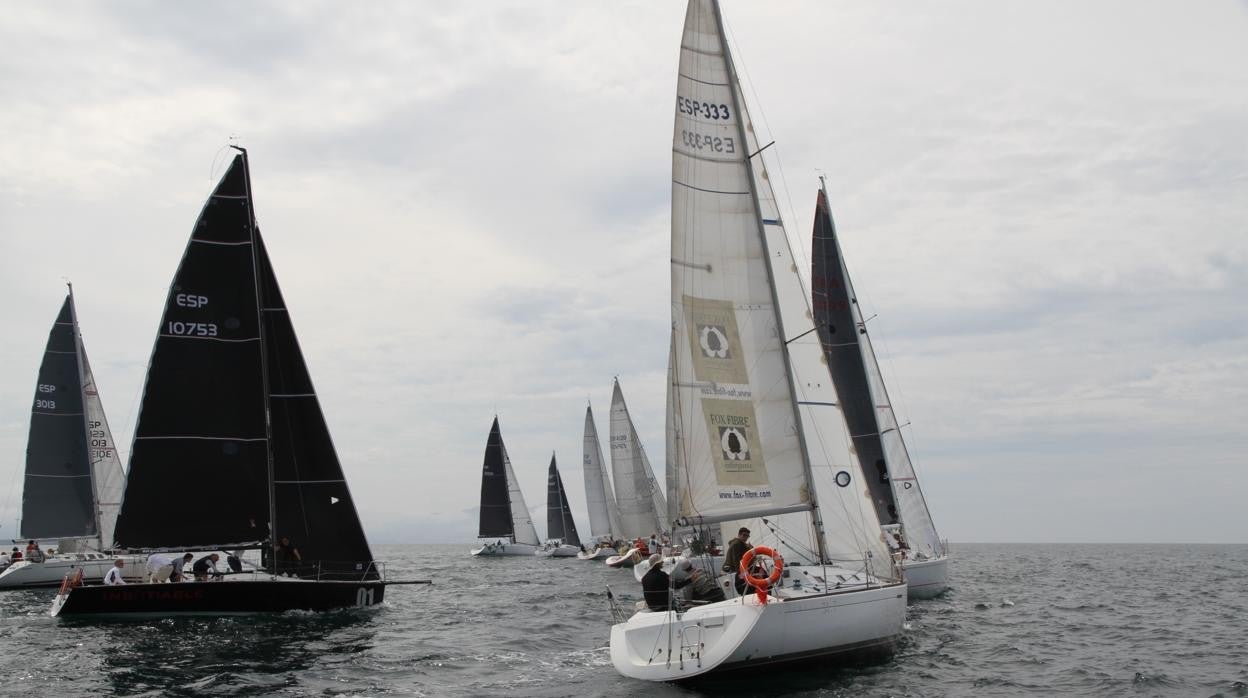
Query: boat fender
{"x": 760, "y": 584}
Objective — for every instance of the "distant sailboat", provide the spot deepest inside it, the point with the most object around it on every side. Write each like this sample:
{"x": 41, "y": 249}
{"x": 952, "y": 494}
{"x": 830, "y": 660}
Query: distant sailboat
{"x": 74, "y": 477}
{"x": 231, "y": 450}
{"x": 641, "y": 502}
{"x": 604, "y": 518}
{"x": 504, "y": 515}
{"x": 561, "y": 538}
{"x": 869, "y": 416}
{"x": 747, "y": 378}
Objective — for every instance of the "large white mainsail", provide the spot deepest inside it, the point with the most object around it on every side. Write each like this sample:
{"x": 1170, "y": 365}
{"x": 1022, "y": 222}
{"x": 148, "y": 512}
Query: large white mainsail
{"x": 604, "y": 518}
{"x": 637, "y": 492}
{"x": 749, "y": 398}
{"x": 752, "y": 398}
{"x": 521, "y": 520}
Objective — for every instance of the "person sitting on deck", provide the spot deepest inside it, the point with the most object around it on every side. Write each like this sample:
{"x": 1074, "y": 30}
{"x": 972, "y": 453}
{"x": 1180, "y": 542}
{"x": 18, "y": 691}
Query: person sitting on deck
{"x": 16, "y": 556}
{"x": 35, "y": 554}
{"x": 704, "y": 589}
{"x": 114, "y": 576}
{"x": 178, "y": 567}
{"x": 655, "y": 585}
{"x": 205, "y": 566}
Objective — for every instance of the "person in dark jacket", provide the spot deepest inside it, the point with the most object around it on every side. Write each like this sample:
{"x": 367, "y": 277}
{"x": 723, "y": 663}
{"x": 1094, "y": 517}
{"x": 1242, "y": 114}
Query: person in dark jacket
{"x": 656, "y": 585}
{"x": 732, "y": 560}
{"x": 205, "y": 566}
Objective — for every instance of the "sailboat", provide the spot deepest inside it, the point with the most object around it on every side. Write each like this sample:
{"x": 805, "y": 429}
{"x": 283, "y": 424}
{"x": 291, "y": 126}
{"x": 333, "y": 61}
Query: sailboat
{"x": 869, "y": 417}
{"x": 73, "y": 477}
{"x": 561, "y": 540}
{"x": 746, "y": 429}
{"x": 231, "y": 451}
{"x": 637, "y": 492}
{"x": 604, "y": 518}
{"x": 504, "y": 516}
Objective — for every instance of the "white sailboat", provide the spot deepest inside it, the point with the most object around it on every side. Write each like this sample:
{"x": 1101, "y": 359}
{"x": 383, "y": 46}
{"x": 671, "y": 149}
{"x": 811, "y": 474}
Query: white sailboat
{"x": 604, "y": 517}
{"x": 745, "y": 433}
{"x": 74, "y": 477}
{"x": 504, "y": 515}
{"x": 637, "y": 492}
{"x": 864, "y": 403}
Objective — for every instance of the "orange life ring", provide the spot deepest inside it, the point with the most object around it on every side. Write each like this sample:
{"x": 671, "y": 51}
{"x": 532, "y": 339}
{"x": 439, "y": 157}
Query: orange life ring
{"x": 761, "y": 583}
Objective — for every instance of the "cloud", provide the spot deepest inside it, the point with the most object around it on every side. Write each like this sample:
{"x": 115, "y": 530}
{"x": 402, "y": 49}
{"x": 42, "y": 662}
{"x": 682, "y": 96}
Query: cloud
{"x": 467, "y": 209}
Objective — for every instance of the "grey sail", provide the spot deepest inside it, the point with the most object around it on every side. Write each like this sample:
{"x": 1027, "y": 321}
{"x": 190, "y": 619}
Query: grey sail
{"x": 57, "y": 500}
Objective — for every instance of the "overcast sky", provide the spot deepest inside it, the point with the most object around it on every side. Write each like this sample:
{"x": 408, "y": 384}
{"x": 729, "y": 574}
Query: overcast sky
{"x": 467, "y": 206}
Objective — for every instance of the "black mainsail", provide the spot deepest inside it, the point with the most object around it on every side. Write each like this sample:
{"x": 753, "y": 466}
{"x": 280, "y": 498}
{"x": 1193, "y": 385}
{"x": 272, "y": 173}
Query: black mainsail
{"x": 838, "y": 332}
{"x": 230, "y": 443}
{"x": 495, "y": 518}
{"x": 57, "y": 498}
{"x": 559, "y": 523}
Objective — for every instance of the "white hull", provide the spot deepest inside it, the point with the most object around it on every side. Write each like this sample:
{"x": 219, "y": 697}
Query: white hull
{"x": 597, "y": 554}
{"x": 505, "y": 549}
{"x": 50, "y": 573}
{"x": 742, "y": 633}
{"x": 558, "y": 551}
{"x": 926, "y": 578}
{"x": 628, "y": 559}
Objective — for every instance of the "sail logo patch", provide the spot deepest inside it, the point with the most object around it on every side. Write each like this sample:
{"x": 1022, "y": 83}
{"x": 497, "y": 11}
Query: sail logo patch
{"x": 734, "y": 444}
{"x": 713, "y": 341}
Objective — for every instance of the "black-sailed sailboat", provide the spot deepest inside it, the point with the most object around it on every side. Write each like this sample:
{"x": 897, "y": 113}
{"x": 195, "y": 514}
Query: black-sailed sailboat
{"x": 73, "y": 481}
{"x": 231, "y": 451}
{"x": 504, "y": 516}
{"x": 561, "y": 537}
{"x": 869, "y": 417}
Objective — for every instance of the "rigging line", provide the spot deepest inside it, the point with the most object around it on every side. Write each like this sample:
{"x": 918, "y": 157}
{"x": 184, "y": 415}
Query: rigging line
{"x": 790, "y": 341}
{"x": 744, "y": 74}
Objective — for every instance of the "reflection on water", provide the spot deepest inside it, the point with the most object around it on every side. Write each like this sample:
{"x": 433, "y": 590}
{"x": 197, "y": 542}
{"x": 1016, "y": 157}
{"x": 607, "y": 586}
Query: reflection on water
{"x": 239, "y": 655}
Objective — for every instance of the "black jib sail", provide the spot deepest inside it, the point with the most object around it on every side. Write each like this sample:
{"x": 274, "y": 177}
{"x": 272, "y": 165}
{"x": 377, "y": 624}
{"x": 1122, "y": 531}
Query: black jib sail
{"x": 832, "y": 299}
{"x": 230, "y": 439}
{"x": 559, "y": 523}
{"x": 57, "y": 499}
{"x": 495, "y": 500}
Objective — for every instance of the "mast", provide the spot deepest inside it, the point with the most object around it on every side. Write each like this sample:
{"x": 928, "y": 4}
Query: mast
{"x": 86, "y": 428}
{"x": 738, "y": 104}
{"x": 264, "y": 359}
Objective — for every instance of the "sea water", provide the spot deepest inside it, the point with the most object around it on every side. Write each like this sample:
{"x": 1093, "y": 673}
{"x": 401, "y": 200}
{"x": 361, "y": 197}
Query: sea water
{"x": 1131, "y": 620}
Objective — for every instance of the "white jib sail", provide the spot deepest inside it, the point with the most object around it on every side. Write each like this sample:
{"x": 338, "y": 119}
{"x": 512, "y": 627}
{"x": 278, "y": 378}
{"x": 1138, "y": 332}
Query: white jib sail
{"x": 738, "y": 302}
{"x": 108, "y": 477}
{"x": 604, "y": 520}
{"x": 521, "y": 520}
